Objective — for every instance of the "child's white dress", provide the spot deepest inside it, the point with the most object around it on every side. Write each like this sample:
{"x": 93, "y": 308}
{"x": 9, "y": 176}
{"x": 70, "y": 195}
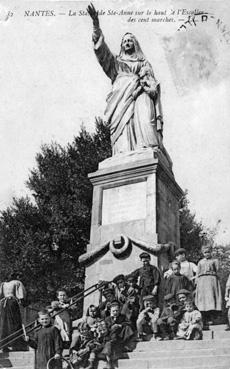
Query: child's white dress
{"x": 190, "y": 321}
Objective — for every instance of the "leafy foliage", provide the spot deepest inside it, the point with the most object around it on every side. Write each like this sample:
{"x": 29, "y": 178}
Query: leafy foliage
{"x": 193, "y": 234}
{"x": 59, "y": 217}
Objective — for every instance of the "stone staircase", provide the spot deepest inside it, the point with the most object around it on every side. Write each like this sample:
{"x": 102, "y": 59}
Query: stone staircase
{"x": 213, "y": 352}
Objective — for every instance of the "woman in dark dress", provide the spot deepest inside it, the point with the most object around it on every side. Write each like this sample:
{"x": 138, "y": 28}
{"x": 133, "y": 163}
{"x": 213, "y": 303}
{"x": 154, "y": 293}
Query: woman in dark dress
{"x": 12, "y": 294}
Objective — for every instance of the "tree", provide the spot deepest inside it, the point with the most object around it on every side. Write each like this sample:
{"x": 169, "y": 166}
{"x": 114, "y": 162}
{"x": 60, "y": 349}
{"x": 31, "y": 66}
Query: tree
{"x": 193, "y": 234}
{"x": 59, "y": 216}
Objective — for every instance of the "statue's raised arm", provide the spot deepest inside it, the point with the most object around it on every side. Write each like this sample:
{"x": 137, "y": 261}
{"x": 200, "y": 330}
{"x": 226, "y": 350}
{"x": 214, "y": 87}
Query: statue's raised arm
{"x": 105, "y": 57}
{"x": 93, "y": 14}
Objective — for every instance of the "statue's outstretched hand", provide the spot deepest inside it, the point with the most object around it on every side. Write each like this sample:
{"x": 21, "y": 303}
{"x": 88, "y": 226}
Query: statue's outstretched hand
{"x": 93, "y": 14}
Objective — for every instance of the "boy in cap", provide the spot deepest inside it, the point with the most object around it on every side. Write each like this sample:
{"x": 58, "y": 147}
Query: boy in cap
{"x": 147, "y": 319}
{"x": 91, "y": 318}
{"x": 132, "y": 285}
{"x": 183, "y": 295}
{"x": 149, "y": 277}
{"x": 120, "y": 328}
{"x": 131, "y": 307}
{"x": 170, "y": 317}
{"x": 105, "y": 344}
{"x": 188, "y": 268}
{"x": 82, "y": 350}
{"x": 104, "y": 307}
{"x": 120, "y": 288}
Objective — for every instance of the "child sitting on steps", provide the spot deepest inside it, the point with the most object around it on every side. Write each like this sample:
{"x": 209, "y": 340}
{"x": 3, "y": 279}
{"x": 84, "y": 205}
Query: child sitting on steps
{"x": 190, "y": 326}
{"x": 147, "y": 319}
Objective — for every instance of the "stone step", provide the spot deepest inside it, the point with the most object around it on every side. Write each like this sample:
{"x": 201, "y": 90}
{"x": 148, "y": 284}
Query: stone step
{"x": 17, "y": 367}
{"x": 13, "y": 354}
{"x": 220, "y": 334}
{"x": 101, "y": 366}
{"x": 181, "y": 345}
{"x": 208, "y": 335}
{"x": 218, "y": 327}
{"x": 9, "y": 363}
{"x": 177, "y": 353}
{"x": 177, "y": 362}
{"x": 17, "y": 359}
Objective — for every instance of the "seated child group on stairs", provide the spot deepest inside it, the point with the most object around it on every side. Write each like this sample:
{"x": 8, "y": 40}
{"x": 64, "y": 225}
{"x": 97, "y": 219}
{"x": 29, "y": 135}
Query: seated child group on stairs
{"x": 141, "y": 306}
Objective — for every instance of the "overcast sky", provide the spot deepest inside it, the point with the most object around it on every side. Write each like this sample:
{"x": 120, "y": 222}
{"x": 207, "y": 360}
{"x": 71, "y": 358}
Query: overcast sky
{"x": 50, "y": 83}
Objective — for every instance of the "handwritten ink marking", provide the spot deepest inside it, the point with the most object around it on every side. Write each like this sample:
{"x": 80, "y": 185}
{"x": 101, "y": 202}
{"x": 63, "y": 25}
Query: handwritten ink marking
{"x": 9, "y": 15}
{"x": 223, "y": 30}
{"x": 194, "y": 19}
{"x": 203, "y": 17}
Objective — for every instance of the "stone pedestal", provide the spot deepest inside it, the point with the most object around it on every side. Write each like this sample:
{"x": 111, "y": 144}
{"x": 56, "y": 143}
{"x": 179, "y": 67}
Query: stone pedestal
{"x": 134, "y": 195}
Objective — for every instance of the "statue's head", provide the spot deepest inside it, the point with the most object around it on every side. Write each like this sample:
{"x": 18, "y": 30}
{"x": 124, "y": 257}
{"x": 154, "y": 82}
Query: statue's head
{"x": 130, "y": 46}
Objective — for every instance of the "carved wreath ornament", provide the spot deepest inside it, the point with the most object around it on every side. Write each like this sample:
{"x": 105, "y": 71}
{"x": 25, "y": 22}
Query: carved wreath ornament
{"x": 121, "y": 248}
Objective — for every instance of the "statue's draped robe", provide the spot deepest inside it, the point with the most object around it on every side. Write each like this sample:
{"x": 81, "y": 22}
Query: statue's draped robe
{"x": 133, "y": 122}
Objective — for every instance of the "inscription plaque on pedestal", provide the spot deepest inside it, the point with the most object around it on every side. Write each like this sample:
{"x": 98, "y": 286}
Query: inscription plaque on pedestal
{"x": 124, "y": 203}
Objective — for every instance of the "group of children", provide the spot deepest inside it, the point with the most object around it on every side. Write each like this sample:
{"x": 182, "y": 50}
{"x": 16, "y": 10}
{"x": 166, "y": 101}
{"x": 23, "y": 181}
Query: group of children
{"x": 131, "y": 309}
{"x": 92, "y": 339}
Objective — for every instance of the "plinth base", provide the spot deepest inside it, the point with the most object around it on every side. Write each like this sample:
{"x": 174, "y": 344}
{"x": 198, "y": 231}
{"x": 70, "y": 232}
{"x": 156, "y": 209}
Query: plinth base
{"x": 134, "y": 195}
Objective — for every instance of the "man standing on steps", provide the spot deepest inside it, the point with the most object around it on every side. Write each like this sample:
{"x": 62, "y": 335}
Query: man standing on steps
{"x": 148, "y": 276}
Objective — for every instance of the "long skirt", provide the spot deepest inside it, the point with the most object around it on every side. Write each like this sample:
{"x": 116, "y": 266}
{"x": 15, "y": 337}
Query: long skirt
{"x": 10, "y": 320}
{"x": 208, "y": 293}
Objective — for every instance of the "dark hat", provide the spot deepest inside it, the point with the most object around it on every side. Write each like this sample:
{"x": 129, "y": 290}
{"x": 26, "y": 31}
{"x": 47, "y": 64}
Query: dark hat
{"x": 180, "y": 251}
{"x": 169, "y": 296}
{"x": 115, "y": 303}
{"x": 149, "y": 298}
{"x": 183, "y": 291}
{"x": 108, "y": 291}
{"x": 118, "y": 278}
{"x": 131, "y": 278}
{"x": 144, "y": 255}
